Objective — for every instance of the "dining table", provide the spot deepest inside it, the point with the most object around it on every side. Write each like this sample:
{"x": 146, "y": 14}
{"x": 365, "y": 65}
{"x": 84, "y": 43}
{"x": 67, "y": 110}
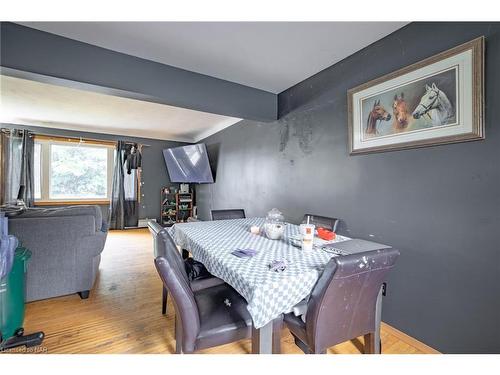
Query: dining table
{"x": 268, "y": 292}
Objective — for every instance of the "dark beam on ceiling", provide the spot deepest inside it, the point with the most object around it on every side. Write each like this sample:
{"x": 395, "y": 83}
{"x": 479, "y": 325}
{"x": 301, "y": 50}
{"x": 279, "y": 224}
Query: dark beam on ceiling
{"x": 33, "y": 54}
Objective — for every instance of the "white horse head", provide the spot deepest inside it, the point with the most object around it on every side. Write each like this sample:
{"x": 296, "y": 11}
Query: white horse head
{"x": 434, "y": 99}
{"x": 428, "y": 101}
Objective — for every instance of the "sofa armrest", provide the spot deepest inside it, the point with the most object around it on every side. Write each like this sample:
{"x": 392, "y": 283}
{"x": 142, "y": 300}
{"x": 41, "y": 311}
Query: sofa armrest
{"x": 93, "y": 245}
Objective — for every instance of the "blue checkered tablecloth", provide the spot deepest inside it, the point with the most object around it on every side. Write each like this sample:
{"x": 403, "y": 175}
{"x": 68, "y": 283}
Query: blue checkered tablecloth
{"x": 268, "y": 293}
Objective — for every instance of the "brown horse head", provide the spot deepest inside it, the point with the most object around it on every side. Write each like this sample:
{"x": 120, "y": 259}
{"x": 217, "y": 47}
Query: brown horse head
{"x": 400, "y": 111}
{"x": 377, "y": 113}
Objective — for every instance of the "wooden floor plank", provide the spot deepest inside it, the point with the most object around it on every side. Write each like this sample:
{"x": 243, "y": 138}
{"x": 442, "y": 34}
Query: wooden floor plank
{"x": 123, "y": 312}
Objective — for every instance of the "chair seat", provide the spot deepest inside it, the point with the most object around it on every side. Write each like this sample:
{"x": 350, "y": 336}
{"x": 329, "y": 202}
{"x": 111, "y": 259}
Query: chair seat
{"x": 224, "y": 317}
{"x": 208, "y": 282}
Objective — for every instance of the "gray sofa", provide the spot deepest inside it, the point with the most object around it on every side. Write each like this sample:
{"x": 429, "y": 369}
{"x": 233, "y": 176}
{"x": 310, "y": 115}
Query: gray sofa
{"x": 66, "y": 245}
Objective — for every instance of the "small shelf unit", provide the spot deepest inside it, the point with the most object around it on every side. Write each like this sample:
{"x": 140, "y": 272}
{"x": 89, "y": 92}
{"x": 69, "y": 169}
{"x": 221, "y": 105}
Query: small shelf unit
{"x": 184, "y": 206}
{"x": 175, "y": 207}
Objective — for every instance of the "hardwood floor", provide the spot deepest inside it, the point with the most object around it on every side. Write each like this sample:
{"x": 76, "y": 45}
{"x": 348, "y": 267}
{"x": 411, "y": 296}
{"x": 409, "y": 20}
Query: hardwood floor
{"x": 123, "y": 312}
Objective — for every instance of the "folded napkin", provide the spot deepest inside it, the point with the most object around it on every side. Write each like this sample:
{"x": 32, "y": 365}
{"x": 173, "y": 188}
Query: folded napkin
{"x": 277, "y": 265}
{"x": 244, "y": 253}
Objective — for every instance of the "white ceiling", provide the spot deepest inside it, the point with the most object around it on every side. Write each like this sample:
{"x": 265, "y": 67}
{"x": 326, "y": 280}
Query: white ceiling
{"x": 271, "y": 56}
{"x": 40, "y": 104}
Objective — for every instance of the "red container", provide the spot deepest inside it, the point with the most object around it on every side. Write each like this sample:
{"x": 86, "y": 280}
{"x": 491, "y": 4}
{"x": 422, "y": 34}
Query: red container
{"x": 326, "y": 234}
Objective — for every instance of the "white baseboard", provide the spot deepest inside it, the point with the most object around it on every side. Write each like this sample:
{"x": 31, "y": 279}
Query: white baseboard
{"x": 143, "y": 223}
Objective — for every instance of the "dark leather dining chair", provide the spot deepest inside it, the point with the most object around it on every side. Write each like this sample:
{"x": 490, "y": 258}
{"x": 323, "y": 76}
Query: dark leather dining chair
{"x": 228, "y": 214}
{"x": 342, "y": 304}
{"x": 329, "y": 223}
{"x": 208, "y": 317}
{"x": 163, "y": 244}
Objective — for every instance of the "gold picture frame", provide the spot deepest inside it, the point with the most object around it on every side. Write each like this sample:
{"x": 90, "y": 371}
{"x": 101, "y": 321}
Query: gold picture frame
{"x": 422, "y": 112}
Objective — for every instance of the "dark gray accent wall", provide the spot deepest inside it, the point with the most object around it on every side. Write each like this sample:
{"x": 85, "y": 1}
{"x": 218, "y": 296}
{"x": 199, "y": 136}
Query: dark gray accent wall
{"x": 33, "y": 54}
{"x": 439, "y": 205}
{"x": 154, "y": 171}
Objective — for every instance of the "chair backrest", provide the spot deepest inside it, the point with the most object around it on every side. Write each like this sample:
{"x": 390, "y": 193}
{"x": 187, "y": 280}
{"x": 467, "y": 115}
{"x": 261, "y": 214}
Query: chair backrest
{"x": 228, "y": 214}
{"x": 322, "y": 221}
{"x": 342, "y": 304}
{"x": 186, "y": 309}
{"x": 164, "y": 245}
{"x": 174, "y": 278}
{"x": 154, "y": 229}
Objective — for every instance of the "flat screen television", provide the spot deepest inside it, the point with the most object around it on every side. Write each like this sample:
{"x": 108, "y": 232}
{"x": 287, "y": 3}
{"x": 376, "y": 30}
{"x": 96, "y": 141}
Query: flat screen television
{"x": 188, "y": 164}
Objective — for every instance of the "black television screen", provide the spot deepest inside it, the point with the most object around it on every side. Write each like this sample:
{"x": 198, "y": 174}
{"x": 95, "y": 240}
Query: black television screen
{"x": 188, "y": 164}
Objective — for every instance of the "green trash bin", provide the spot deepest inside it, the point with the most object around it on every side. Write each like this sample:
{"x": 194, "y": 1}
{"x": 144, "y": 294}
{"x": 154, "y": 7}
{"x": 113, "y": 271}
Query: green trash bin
{"x": 12, "y": 291}
{"x": 12, "y": 296}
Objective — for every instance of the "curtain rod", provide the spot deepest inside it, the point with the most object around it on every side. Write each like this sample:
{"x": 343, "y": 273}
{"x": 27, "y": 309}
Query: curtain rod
{"x": 136, "y": 143}
{"x": 8, "y": 131}
{"x": 31, "y": 133}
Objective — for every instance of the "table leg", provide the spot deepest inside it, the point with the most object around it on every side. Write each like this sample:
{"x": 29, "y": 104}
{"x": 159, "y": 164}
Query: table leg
{"x": 378, "y": 319}
{"x": 262, "y": 339}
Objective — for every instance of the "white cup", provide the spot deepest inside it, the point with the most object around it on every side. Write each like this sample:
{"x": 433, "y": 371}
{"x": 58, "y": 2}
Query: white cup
{"x": 303, "y": 228}
{"x": 307, "y": 236}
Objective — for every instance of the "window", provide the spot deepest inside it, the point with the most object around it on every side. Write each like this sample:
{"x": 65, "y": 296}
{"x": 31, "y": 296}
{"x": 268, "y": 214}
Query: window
{"x": 72, "y": 170}
{"x": 38, "y": 170}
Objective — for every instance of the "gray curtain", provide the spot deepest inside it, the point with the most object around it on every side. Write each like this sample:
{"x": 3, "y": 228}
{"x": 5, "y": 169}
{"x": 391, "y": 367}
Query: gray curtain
{"x": 17, "y": 162}
{"x": 131, "y": 184}
{"x": 117, "y": 206}
{"x": 124, "y": 208}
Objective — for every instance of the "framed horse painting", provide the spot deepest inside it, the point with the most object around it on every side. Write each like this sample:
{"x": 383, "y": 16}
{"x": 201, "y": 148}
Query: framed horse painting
{"x": 435, "y": 101}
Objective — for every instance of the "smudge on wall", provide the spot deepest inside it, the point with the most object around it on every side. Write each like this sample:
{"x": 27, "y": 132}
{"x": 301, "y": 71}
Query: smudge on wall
{"x": 284, "y": 135}
{"x": 302, "y": 132}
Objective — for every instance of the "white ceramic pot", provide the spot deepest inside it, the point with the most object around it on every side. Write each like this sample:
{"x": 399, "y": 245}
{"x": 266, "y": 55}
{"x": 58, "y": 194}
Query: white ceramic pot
{"x": 274, "y": 231}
